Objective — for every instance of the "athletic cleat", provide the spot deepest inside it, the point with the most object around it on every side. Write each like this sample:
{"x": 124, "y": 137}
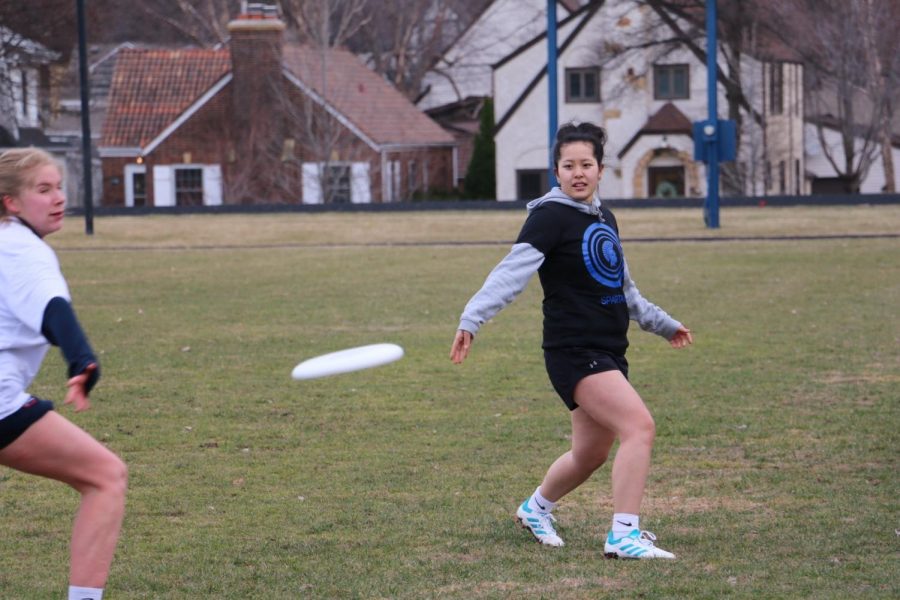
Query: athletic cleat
{"x": 539, "y": 524}
{"x": 637, "y": 544}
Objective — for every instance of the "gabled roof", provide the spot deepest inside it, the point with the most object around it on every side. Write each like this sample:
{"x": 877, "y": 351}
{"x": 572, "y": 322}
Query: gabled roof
{"x": 361, "y": 96}
{"x": 151, "y": 88}
{"x": 585, "y": 14}
{"x": 572, "y": 6}
{"x": 18, "y": 49}
{"x": 586, "y": 11}
{"x": 668, "y": 120}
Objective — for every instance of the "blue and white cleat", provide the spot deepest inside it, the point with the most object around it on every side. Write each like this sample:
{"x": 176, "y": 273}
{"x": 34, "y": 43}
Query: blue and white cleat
{"x": 637, "y": 544}
{"x": 539, "y": 524}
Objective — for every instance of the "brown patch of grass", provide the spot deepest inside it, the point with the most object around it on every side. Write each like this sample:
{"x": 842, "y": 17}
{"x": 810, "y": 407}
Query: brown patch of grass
{"x": 682, "y": 503}
{"x": 567, "y": 587}
{"x": 839, "y": 377}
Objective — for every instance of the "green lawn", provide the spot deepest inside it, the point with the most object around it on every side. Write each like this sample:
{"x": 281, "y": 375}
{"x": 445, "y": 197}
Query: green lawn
{"x": 775, "y": 468}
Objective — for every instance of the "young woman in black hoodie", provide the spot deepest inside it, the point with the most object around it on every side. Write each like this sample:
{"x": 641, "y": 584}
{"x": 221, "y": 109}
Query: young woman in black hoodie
{"x": 572, "y": 242}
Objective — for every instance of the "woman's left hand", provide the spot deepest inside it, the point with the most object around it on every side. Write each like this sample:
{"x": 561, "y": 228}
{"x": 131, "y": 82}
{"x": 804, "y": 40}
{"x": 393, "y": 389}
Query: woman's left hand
{"x": 682, "y": 338}
{"x": 77, "y": 394}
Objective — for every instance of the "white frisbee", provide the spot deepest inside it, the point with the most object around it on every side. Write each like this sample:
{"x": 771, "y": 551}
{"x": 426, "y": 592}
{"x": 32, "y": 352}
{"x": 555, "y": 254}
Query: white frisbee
{"x": 345, "y": 361}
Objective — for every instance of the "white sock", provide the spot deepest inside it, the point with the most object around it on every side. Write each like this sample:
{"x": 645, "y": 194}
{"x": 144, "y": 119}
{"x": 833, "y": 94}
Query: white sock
{"x": 85, "y": 593}
{"x": 540, "y": 504}
{"x": 625, "y": 523}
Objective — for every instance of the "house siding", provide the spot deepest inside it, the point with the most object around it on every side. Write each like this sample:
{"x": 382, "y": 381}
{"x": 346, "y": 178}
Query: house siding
{"x": 627, "y": 103}
{"x": 211, "y": 137}
{"x": 254, "y": 130}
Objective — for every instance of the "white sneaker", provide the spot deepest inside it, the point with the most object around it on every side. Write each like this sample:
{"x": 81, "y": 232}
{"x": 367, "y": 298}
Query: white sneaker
{"x": 539, "y": 524}
{"x": 637, "y": 544}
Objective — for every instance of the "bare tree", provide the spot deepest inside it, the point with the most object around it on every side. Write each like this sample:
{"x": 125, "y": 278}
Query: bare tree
{"x": 400, "y": 39}
{"x": 202, "y": 22}
{"x": 327, "y": 23}
{"x": 680, "y": 24}
{"x": 36, "y": 41}
{"x": 403, "y": 43}
{"x": 850, "y": 50}
{"x": 883, "y": 59}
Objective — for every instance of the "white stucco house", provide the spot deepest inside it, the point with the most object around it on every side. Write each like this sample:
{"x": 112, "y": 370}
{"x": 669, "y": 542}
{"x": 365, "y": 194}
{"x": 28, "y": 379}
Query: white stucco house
{"x": 821, "y": 173}
{"x": 21, "y": 62}
{"x": 464, "y": 70}
{"x": 647, "y": 99}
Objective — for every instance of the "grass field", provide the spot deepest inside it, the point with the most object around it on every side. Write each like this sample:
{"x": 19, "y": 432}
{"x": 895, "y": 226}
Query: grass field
{"x": 775, "y": 467}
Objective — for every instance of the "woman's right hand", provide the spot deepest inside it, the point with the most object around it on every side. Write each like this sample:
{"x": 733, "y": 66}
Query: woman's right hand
{"x": 461, "y": 345}
{"x": 77, "y": 393}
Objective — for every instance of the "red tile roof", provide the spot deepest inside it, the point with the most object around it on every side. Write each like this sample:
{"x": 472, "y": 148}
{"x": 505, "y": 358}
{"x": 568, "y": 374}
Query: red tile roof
{"x": 369, "y": 102}
{"x": 151, "y": 88}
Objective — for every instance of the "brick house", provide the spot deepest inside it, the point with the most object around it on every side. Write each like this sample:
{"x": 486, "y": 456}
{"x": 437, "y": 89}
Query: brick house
{"x": 264, "y": 122}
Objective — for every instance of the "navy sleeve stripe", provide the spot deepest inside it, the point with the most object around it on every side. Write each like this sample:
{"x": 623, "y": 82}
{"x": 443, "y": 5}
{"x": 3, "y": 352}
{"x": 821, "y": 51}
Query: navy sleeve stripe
{"x": 61, "y": 328}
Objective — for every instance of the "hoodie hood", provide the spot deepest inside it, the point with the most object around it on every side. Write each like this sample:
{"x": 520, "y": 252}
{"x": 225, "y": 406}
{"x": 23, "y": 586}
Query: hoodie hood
{"x": 557, "y": 195}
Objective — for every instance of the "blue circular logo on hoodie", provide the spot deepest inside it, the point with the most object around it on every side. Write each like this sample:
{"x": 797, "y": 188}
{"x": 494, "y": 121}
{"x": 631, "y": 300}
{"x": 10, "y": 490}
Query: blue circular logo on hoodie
{"x": 603, "y": 254}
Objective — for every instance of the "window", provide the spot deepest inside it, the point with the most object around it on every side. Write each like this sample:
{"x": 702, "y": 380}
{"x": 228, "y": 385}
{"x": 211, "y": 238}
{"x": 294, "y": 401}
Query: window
{"x": 583, "y": 85}
{"x": 189, "y": 186}
{"x": 666, "y": 182}
{"x": 776, "y": 89}
{"x": 531, "y": 183}
{"x": 670, "y": 82}
{"x": 337, "y": 184}
{"x": 180, "y": 185}
{"x": 25, "y": 99}
{"x": 782, "y": 178}
{"x": 24, "y": 95}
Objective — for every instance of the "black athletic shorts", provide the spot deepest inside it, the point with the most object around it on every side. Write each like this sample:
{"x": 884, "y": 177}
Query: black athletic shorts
{"x": 15, "y": 424}
{"x": 567, "y": 366}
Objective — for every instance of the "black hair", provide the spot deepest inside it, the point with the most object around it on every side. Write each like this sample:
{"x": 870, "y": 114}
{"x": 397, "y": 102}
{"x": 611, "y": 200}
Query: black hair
{"x": 580, "y": 132}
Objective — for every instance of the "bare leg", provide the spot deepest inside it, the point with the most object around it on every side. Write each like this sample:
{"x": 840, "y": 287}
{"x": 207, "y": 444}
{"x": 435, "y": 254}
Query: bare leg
{"x": 611, "y": 402}
{"x": 591, "y": 442}
{"x": 57, "y": 449}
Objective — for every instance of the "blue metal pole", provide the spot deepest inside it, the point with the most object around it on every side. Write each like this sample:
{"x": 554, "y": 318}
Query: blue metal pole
{"x": 552, "y": 98}
{"x": 711, "y": 210}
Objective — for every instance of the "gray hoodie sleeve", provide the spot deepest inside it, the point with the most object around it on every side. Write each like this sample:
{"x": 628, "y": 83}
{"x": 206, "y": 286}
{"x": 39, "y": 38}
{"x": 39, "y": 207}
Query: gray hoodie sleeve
{"x": 648, "y": 316}
{"x": 501, "y": 287}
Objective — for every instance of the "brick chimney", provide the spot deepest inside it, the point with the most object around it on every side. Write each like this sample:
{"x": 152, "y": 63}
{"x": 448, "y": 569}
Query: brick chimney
{"x": 257, "y": 87}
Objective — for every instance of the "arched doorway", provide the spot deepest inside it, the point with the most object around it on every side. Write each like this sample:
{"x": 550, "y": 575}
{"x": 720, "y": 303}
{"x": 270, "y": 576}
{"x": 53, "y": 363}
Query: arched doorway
{"x": 665, "y": 173}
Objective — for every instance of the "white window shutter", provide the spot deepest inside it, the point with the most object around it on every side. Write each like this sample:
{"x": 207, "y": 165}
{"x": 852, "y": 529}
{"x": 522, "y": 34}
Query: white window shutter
{"x": 388, "y": 178}
{"x": 31, "y": 88}
{"x": 395, "y": 181}
{"x": 312, "y": 189}
{"x": 212, "y": 185}
{"x": 163, "y": 186}
{"x": 17, "y": 79}
{"x": 360, "y": 187}
{"x": 129, "y": 186}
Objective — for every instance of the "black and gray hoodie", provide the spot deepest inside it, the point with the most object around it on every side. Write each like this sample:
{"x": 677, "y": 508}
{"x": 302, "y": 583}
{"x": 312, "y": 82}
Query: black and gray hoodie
{"x": 588, "y": 292}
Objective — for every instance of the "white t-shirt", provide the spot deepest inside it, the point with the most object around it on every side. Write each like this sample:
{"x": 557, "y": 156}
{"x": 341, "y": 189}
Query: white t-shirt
{"x": 29, "y": 278}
